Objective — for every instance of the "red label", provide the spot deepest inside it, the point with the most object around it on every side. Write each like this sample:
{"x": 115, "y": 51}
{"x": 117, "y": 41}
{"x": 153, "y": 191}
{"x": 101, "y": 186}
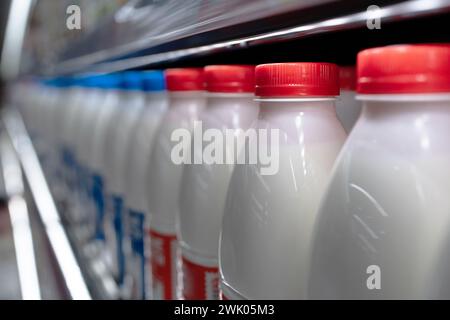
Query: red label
{"x": 163, "y": 259}
{"x": 222, "y": 296}
{"x": 199, "y": 282}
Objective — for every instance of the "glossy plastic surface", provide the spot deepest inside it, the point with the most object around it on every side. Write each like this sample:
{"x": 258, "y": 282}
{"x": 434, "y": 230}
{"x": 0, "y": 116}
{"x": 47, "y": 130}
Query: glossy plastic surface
{"x": 204, "y": 186}
{"x": 388, "y": 206}
{"x": 268, "y": 219}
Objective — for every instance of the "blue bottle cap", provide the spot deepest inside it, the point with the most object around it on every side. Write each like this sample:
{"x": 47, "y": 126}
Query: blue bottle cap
{"x": 110, "y": 81}
{"x": 153, "y": 81}
{"x": 131, "y": 80}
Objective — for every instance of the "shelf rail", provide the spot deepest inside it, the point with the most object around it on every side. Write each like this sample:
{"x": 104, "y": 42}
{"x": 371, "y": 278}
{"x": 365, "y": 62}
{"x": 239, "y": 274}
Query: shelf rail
{"x": 388, "y": 13}
{"x": 48, "y": 213}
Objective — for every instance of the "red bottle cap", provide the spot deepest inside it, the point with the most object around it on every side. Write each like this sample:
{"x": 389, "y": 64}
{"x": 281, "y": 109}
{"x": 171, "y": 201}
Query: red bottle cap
{"x": 230, "y": 78}
{"x": 347, "y": 77}
{"x": 185, "y": 79}
{"x": 297, "y": 79}
{"x": 423, "y": 68}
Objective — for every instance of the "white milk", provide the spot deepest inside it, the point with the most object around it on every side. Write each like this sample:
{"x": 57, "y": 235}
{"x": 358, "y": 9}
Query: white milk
{"x": 83, "y": 140}
{"x": 268, "y": 218}
{"x": 119, "y": 132}
{"x": 140, "y": 150}
{"x": 271, "y": 205}
{"x": 58, "y": 186}
{"x": 138, "y": 162}
{"x": 164, "y": 179}
{"x": 388, "y": 206}
{"x": 383, "y": 226}
{"x": 202, "y": 200}
{"x": 68, "y": 148}
{"x": 97, "y": 162}
{"x": 230, "y": 107}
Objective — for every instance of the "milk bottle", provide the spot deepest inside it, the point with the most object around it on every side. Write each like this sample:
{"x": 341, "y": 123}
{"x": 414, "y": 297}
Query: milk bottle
{"x": 269, "y": 214}
{"x": 186, "y": 102}
{"x": 383, "y": 227}
{"x": 230, "y": 105}
{"x": 137, "y": 164}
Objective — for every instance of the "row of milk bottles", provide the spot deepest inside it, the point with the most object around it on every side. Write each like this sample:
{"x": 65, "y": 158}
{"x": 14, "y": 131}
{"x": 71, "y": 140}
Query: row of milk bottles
{"x": 241, "y": 182}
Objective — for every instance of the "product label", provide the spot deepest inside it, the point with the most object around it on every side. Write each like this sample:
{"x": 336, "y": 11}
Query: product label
{"x": 88, "y": 216}
{"x": 228, "y": 293}
{"x": 164, "y": 265}
{"x": 86, "y": 182}
{"x": 137, "y": 261}
{"x": 222, "y": 296}
{"x": 99, "y": 204}
{"x": 68, "y": 159}
{"x": 81, "y": 179}
{"x": 118, "y": 230}
{"x": 199, "y": 282}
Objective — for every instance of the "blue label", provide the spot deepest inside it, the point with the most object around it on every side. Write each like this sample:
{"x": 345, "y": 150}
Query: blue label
{"x": 85, "y": 181}
{"x": 137, "y": 249}
{"x": 118, "y": 228}
{"x": 68, "y": 159}
{"x": 99, "y": 202}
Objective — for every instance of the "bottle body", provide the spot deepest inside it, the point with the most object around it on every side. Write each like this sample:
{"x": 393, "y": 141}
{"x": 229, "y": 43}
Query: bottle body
{"x": 138, "y": 162}
{"x": 164, "y": 177}
{"x": 203, "y": 193}
{"x": 97, "y": 159}
{"x": 68, "y": 152}
{"x": 119, "y": 135}
{"x": 84, "y": 137}
{"x": 386, "y": 211}
{"x": 268, "y": 219}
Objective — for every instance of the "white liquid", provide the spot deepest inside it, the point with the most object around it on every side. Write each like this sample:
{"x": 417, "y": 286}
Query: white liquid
{"x": 100, "y": 136}
{"x": 139, "y": 151}
{"x": 97, "y": 161}
{"x": 69, "y": 134}
{"x": 204, "y": 187}
{"x": 119, "y": 133}
{"x": 268, "y": 219}
{"x": 59, "y": 190}
{"x": 83, "y": 141}
{"x": 138, "y": 162}
{"x": 127, "y": 117}
{"x": 388, "y": 206}
{"x": 164, "y": 176}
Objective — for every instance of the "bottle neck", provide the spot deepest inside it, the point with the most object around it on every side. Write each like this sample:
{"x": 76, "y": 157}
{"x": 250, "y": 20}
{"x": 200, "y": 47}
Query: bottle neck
{"x": 132, "y": 97}
{"x": 156, "y": 101}
{"x": 302, "y": 120}
{"x": 379, "y": 110}
{"x": 230, "y": 101}
{"x": 155, "y": 96}
{"x": 269, "y": 107}
{"x": 181, "y": 99}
